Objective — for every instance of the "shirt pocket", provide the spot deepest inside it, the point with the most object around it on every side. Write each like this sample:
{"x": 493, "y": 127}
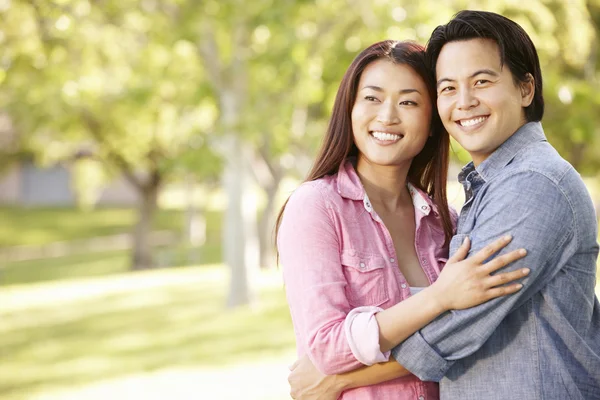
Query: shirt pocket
{"x": 365, "y": 278}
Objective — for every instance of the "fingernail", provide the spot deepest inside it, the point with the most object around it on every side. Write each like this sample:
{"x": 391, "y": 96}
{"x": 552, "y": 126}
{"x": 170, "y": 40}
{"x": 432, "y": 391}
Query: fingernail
{"x": 466, "y": 239}
{"x": 519, "y": 286}
{"x": 522, "y": 252}
{"x": 526, "y": 271}
{"x": 507, "y": 237}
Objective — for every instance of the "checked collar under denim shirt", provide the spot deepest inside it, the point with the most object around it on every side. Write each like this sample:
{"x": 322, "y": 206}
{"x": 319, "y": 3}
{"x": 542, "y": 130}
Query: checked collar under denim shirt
{"x": 544, "y": 341}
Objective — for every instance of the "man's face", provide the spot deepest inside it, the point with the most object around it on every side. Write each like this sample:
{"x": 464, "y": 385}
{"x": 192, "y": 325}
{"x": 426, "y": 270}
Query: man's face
{"x": 478, "y": 101}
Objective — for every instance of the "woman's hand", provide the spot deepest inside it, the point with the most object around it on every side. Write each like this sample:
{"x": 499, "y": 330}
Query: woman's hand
{"x": 307, "y": 383}
{"x": 466, "y": 283}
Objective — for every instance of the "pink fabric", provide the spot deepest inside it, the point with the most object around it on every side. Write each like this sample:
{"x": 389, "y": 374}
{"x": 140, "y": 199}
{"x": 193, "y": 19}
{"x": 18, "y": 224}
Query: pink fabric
{"x": 362, "y": 333}
{"x": 337, "y": 255}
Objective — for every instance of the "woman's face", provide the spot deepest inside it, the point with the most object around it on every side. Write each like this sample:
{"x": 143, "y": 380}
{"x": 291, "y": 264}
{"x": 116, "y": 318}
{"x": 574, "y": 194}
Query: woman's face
{"x": 391, "y": 115}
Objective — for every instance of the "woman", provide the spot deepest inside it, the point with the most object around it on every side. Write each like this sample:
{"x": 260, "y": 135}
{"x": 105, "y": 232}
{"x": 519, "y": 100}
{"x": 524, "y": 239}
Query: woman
{"x": 362, "y": 242}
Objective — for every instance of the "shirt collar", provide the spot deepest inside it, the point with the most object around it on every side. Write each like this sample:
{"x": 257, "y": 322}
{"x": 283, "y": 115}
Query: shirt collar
{"x": 349, "y": 186}
{"x": 529, "y": 133}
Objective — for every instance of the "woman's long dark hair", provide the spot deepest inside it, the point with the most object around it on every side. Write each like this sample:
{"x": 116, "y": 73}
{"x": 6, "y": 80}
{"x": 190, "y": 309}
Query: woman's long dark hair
{"x": 428, "y": 170}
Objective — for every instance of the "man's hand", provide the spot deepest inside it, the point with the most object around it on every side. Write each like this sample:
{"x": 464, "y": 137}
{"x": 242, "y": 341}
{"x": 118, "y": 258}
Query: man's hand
{"x": 307, "y": 383}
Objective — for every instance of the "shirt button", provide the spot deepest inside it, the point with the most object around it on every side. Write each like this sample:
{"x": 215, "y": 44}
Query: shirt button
{"x": 421, "y": 397}
{"x": 403, "y": 286}
{"x": 362, "y": 264}
{"x": 392, "y": 260}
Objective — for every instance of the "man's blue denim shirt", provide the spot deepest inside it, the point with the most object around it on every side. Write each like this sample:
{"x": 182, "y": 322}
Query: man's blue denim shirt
{"x": 544, "y": 341}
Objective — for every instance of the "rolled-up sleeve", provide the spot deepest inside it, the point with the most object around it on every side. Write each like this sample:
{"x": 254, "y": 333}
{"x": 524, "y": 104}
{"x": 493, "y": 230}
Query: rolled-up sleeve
{"x": 537, "y": 214}
{"x": 309, "y": 251}
{"x": 362, "y": 333}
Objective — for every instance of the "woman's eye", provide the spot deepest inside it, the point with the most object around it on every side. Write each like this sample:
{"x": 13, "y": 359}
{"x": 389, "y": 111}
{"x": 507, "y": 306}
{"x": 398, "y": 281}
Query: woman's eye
{"x": 370, "y": 98}
{"x": 446, "y": 89}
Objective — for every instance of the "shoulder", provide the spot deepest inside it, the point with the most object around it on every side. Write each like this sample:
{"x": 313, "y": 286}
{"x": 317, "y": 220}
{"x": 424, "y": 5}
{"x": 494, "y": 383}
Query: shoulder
{"x": 317, "y": 192}
{"x": 525, "y": 193}
{"x": 543, "y": 159}
{"x": 319, "y": 196}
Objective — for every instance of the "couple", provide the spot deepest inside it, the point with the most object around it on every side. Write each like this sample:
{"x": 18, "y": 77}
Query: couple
{"x": 379, "y": 310}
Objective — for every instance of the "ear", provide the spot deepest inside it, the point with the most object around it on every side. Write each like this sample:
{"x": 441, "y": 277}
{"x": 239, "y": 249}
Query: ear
{"x": 527, "y": 90}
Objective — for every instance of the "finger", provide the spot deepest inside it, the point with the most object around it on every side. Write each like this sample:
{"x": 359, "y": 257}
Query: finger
{"x": 491, "y": 249}
{"x": 294, "y": 365}
{"x": 462, "y": 251}
{"x": 503, "y": 290}
{"x": 503, "y": 261}
{"x": 501, "y": 279}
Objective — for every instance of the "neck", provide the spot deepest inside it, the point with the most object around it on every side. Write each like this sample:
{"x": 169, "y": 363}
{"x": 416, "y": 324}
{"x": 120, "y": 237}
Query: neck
{"x": 385, "y": 185}
{"x": 478, "y": 158}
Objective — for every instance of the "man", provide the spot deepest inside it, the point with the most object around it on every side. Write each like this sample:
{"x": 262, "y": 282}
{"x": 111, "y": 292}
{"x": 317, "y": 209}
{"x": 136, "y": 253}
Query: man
{"x": 543, "y": 342}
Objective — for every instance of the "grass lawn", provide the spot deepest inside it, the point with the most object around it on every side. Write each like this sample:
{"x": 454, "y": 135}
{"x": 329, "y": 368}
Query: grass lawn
{"x": 73, "y": 333}
{"x": 38, "y": 226}
{"x": 99, "y": 264}
{"x": 23, "y": 226}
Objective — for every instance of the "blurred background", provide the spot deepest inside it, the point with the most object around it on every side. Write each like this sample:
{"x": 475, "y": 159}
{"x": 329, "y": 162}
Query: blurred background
{"x": 146, "y": 147}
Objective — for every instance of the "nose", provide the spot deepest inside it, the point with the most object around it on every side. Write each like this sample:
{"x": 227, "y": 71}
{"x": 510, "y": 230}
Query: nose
{"x": 388, "y": 114}
{"x": 466, "y": 99}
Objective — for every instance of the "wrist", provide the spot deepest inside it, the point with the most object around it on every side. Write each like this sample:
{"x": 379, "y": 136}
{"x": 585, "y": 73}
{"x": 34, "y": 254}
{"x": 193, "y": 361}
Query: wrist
{"x": 437, "y": 298}
{"x": 342, "y": 382}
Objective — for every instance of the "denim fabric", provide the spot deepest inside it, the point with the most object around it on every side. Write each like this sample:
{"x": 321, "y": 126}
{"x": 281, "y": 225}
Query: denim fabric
{"x": 544, "y": 341}
{"x": 337, "y": 255}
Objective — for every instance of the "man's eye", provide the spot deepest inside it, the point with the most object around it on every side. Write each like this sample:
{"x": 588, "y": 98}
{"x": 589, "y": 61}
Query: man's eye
{"x": 408, "y": 103}
{"x": 481, "y": 82}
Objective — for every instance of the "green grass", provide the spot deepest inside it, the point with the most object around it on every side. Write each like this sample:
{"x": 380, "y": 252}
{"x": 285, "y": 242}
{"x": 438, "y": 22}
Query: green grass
{"x": 74, "y": 333}
{"x": 38, "y": 226}
{"x": 21, "y": 226}
{"x": 81, "y": 265}
{"x": 101, "y": 264}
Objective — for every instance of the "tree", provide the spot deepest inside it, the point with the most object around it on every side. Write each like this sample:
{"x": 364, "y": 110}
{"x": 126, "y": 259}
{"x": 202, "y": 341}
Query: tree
{"x": 104, "y": 78}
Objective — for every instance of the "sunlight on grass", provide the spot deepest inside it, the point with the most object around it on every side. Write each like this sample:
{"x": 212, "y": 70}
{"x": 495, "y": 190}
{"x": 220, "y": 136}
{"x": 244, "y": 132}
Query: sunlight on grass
{"x": 76, "y": 333}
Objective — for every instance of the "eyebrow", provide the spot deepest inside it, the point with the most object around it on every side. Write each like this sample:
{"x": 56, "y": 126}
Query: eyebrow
{"x": 473, "y": 75}
{"x": 378, "y": 89}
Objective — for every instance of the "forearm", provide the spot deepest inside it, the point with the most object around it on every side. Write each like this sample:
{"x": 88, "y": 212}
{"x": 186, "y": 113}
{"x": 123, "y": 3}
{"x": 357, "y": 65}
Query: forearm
{"x": 399, "y": 322}
{"x": 372, "y": 375}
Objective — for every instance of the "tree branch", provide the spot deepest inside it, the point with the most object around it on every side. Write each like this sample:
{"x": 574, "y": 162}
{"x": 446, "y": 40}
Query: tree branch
{"x": 209, "y": 52}
{"x": 95, "y": 129}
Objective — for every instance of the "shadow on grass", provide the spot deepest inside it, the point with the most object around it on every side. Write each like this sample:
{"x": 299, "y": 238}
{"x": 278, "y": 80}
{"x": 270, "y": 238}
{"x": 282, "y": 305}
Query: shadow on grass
{"x": 128, "y": 333}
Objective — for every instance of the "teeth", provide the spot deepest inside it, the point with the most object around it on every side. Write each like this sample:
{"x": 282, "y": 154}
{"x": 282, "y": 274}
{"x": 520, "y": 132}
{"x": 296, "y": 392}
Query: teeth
{"x": 386, "y": 136}
{"x": 471, "y": 122}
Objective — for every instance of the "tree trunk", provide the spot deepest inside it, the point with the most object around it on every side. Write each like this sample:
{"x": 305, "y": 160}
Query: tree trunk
{"x": 195, "y": 223}
{"x": 142, "y": 248}
{"x": 240, "y": 242}
{"x": 266, "y": 227}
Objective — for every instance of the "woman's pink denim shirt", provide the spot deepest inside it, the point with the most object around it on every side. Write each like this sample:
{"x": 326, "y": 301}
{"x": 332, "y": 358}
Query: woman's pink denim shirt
{"x": 337, "y": 255}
